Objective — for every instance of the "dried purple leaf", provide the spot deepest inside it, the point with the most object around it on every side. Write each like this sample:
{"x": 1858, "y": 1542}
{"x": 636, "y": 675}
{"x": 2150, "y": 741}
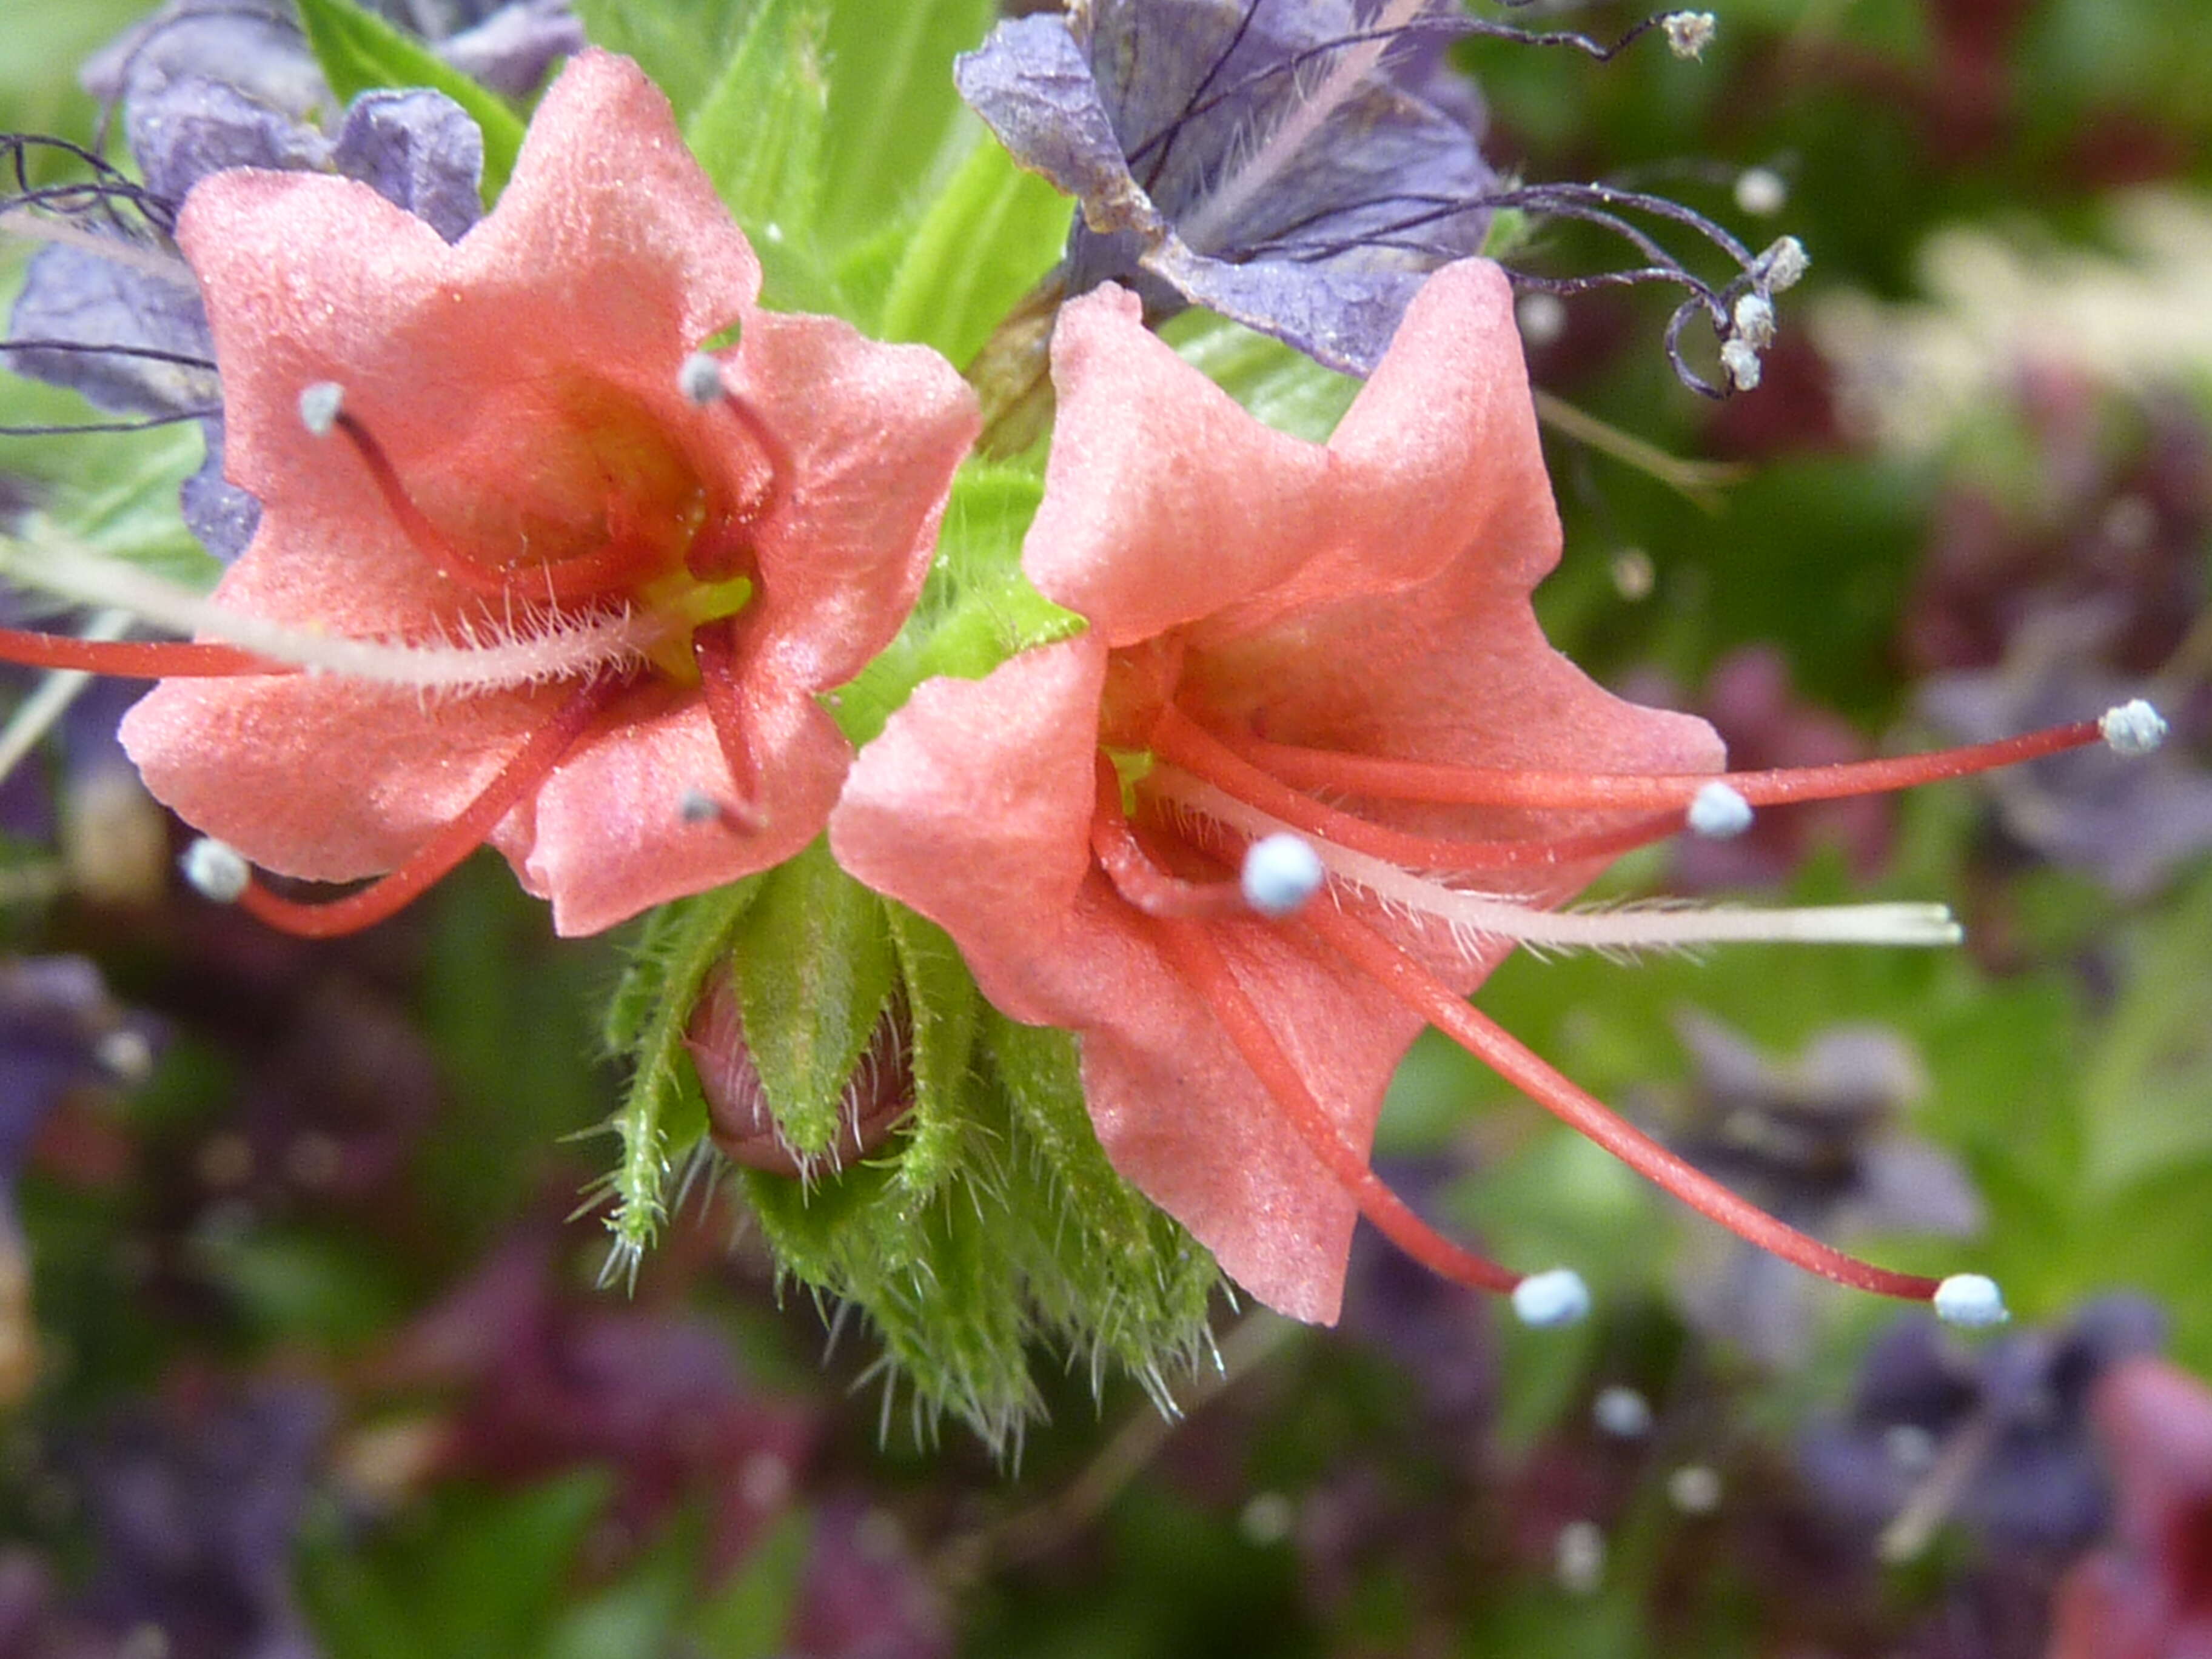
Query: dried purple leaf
{"x": 1295, "y": 167}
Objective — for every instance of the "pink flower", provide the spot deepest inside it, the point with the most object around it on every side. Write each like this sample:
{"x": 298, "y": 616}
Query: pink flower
{"x": 1331, "y": 640}
{"x": 627, "y": 570}
{"x": 1370, "y": 597}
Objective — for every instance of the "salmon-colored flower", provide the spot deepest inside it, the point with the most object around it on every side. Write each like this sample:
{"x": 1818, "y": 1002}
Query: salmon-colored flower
{"x": 581, "y": 575}
{"x": 1331, "y": 640}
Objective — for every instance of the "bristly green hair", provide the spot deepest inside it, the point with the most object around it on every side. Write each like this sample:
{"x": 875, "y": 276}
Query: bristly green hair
{"x": 989, "y": 1233}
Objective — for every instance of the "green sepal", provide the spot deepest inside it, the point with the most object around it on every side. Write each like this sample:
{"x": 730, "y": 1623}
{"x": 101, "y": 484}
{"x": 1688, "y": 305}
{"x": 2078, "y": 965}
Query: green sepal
{"x": 992, "y": 1225}
{"x": 982, "y": 243}
{"x": 663, "y": 1114}
{"x": 1137, "y": 1290}
{"x": 757, "y": 130}
{"x": 359, "y": 52}
{"x": 943, "y": 1006}
{"x": 815, "y": 971}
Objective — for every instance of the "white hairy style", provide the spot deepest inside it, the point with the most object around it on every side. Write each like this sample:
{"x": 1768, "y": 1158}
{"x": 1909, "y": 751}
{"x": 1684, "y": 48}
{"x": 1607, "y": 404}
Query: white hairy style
{"x": 494, "y": 657}
{"x": 1477, "y": 918}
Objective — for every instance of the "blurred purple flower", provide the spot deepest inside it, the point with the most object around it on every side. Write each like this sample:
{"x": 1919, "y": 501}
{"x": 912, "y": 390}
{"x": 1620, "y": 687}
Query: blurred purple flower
{"x": 863, "y": 1595}
{"x": 1439, "y": 1335}
{"x": 660, "y": 1399}
{"x": 1818, "y": 1142}
{"x": 2126, "y": 820}
{"x": 194, "y": 1505}
{"x": 335, "y": 1110}
{"x": 59, "y": 1031}
{"x": 1994, "y": 1437}
{"x": 1146, "y": 111}
{"x": 2126, "y": 538}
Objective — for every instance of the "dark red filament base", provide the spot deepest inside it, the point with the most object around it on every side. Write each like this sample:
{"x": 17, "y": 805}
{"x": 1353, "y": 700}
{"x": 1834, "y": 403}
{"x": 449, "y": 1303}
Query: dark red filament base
{"x": 580, "y": 580}
{"x": 716, "y": 649}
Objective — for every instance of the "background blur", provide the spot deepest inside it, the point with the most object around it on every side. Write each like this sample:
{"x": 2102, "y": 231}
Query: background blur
{"x": 300, "y": 1356}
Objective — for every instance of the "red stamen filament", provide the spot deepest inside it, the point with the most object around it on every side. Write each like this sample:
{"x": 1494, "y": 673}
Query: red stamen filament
{"x": 607, "y": 569}
{"x": 522, "y": 774}
{"x": 133, "y": 660}
{"x": 1478, "y": 786}
{"x": 1415, "y": 985}
{"x": 724, "y": 548}
{"x": 1190, "y": 748}
{"x": 1192, "y": 950}
{"x": 714, "y": 648}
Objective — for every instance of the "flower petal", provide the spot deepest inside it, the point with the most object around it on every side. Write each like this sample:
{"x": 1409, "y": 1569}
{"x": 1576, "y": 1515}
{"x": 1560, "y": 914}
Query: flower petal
{"x": 973, "y": 807}
{"x": 874, "y": 434}
{"x": 1164, "y": 501}
{"x": 610, "y": 837}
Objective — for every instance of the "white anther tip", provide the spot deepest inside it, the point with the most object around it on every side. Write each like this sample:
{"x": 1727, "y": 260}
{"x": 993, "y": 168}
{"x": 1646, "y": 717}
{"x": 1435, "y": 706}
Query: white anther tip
{"x": 1556, "y": 1297}
{"x": 1281, "y": 873}
{"x": 1741, "y": 358}
{"x": 1689, "y": 33}
{"x": 697, "y": 806}
{"x": 1782, "y": 266}
{"x": 1973, "y": 1300}
{"x": 2133, "y": 728}
{"x": 700, "y": 379}
{"x": 1755, "y": 321}
{"x": 1718, "y": 811}
{"x": 1622, "y": 1413}
{"x": 319, "y": 406}
{"x": 1694, "y": 1489}
{"x": 215, "y": 871}
{"x": 1761, "y": 192}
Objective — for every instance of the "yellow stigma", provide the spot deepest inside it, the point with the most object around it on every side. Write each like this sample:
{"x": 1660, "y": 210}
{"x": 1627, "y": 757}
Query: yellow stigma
{"x": 685, "y": 604}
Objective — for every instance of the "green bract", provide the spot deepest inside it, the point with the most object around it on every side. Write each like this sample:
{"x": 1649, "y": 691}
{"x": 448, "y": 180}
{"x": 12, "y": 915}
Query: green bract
{"x": 989, "y": 1222}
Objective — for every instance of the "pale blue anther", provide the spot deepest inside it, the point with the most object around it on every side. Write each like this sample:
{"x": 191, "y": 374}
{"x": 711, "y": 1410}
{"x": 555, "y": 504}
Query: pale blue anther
{"x": 215, "y": 871}
{"x": 1972, "y": 1300}
{"x": 2133, "y": 728}
{"x": 319, "y": 406}
{"x": 1281, "y": 873}
{"x": 1556, "y": 1297}
{"x": 700, "y": 379}
{"x": 1718, "y": 811}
